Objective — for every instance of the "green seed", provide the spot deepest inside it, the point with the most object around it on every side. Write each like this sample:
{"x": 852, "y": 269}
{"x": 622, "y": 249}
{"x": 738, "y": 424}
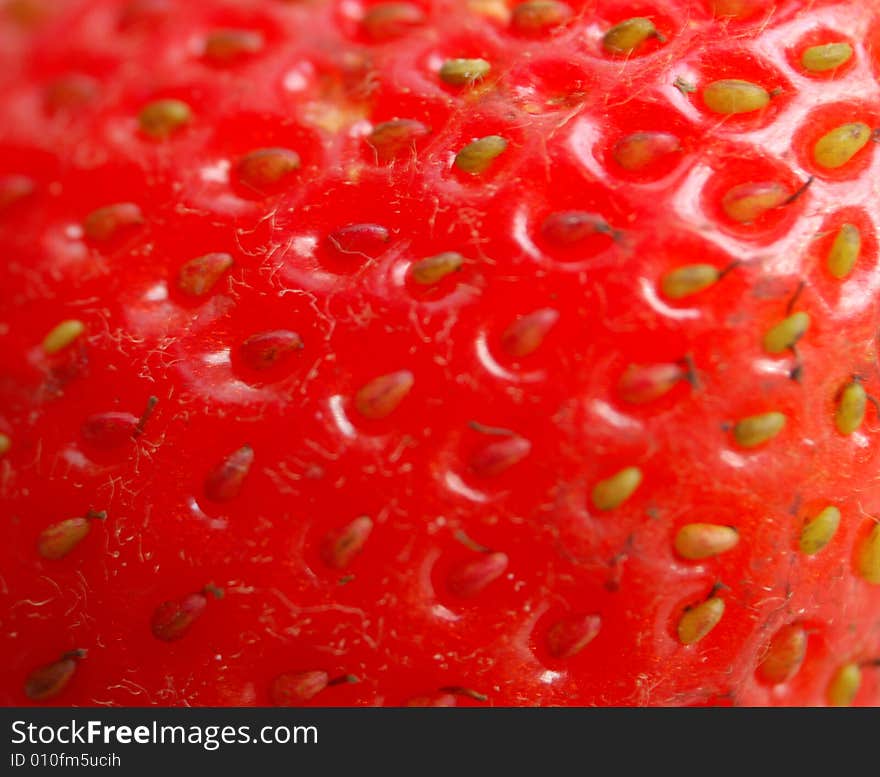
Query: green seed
{"x": 162, "y": 117}
{"x": 818, "y": 532}
{"x": 63, "y": 335}
{"x": 476, "y": 157}
{"x": 826, "y": 57}
{"x": 688, "y": 280}
{"x": 869, "y": 558}
{"x": 851, "y": 408}
{"x": 699, "y": 620}
{"x": 626, "y": 37}
{"x": 837, "y": 147}
{"x": 614, "y": 491}
{"x": 461, "y": 72}
{"x": 757, "y": 429}
{"x": 845, "y": 251}
{"x": 747, "y": 202}
{"x": 844, "y": 685}
{"x": 786, "y": 333}
{"x": 731, "y": 95}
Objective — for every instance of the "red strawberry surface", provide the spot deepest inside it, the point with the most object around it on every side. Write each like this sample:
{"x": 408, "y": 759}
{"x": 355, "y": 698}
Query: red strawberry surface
{"x": 439, "y": 352}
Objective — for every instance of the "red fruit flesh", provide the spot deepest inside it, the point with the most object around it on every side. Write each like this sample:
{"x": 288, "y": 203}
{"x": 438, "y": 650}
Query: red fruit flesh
{"x": 399, "y": 333}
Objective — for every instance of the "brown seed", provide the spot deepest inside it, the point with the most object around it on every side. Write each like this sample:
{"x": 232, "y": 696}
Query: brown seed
{"x": 645, "y": 383}
{"x": 392, "y": 139}
{"x": 463, "y": 72}
{"x": 737, "y": 9}
{"x": 14, "y": 188}
{"x": 48, "y": 681}
{"x": 434, "y": 269}
{"x": 198, "y": 276}
{"x": 5, "y": 444}
{"x": 293, "y": 688}
{"x": 747, "y": 202}
{"x": 162, "y": 118}
{"x": 567, "y": 228}
{"x": 628, "y": 35}
{"x": 265, "y": 168}
{"x": 223, "y": 47}
{"x": 784, "y": 656}
{"x": 59, "y": 539}
{"x": 642, "y": 149}
{"x": 571, "y": 634}
{"x": 225, "y": 481}
{"x": 266, "y": 350}
{"x": 340, "y": 546}
{"x": 367, "y": 240}
{"x": 525, "y": 335}
{"x": 381, "y": 396}
{"x": 470, "y": 578}
{"x": 699, "y": 620}
{"x": 173, "y": 619}
{"x": 105, "y": 223}
{"x": 70, "y": 93}
{"x": 499, "y": 456}
{"x": 697, "y": 541}
{"x": 386, "y": 21}
{"x": 537, "y": 16}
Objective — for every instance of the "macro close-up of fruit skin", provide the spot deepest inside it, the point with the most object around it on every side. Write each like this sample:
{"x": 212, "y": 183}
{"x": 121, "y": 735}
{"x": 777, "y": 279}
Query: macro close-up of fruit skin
{"x": 439, "y": 353}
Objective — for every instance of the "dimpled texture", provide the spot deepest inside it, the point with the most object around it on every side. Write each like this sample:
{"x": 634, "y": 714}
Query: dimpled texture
{"x": 483, "y": 468}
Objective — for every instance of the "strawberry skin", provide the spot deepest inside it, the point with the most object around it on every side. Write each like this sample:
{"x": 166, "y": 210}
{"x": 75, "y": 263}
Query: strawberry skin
{"x": 437, "y": 353}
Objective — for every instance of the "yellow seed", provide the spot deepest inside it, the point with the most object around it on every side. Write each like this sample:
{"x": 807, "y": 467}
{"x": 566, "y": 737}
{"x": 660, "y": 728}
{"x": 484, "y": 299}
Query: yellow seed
{"x": 614, "y": 491}
{"x": 844, "y": 685}
{"x": 851, "y": 408}
{"x": 461, "y": 72}
{"x": 5, "y": 444}
{"x": 758, "y": 429}
{"x": 826, "y": 57}
{"x": 869, "y": 557}
{"x": 749, "y": 201}
{"x": 840, "y": 145}
{"x": 697, "y": 541}
{"x": 688, "y": 280}
{"x": 731, "y": 95}
{"x": 160, "y": 118}
{"x": 476, "y": 157}
{"x": 786, "y": 333}
{"x": 845, "y": 251}
{"x": 433, "y": 269}
{"x": 626, "y": 37}
{"x": 820, "y": 531}
{"x": 699, "y": 620}
{"x": 63, "y": 335}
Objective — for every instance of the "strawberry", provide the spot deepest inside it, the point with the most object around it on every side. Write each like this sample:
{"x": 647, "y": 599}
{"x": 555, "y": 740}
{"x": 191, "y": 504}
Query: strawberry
{"x": 449, "y": 352}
